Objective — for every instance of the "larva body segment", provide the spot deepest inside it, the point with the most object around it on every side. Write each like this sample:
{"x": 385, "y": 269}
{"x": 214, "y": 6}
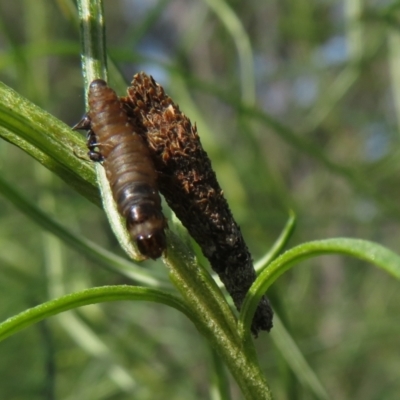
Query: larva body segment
{"x": 129, "y": 168}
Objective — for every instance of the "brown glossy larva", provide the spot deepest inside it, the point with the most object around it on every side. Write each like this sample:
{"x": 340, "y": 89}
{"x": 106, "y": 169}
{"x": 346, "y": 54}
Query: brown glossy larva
{"x": 113, "y": 140}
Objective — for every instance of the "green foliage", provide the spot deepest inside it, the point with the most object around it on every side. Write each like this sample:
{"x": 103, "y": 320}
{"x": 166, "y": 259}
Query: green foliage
{"x": 296, "y": 108}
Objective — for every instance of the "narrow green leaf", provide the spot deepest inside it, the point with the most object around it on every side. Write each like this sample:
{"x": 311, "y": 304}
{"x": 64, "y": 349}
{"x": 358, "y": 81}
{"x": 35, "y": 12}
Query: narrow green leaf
{"x": 48, "y": 140}
{"x": 243, "y": 45}
{"x": 362, "y": 249}
{"x": 86, "y": 297}
{"x": 279, "y": 244}
{"x": 80, "y": 244}
{"x": 295, "y": 359}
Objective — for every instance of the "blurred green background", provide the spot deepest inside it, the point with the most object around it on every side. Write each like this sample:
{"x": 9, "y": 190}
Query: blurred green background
{"x": 297, "y": 103}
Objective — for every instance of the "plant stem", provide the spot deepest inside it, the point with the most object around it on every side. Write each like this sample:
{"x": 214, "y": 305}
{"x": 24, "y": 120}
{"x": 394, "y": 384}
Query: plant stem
{"x": 216, "y": 321}
{"x": 210, "y": 311}
{"x": 94, "y": 59}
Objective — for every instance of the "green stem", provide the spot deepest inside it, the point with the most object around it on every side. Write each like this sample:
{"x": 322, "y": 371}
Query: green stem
{"x": 216, "y": 321}
{"x": 219, "y": 388}
{"x": 94, "y": 65}
{"x": 208, "y": 307}
{"x": 94, "y": 58}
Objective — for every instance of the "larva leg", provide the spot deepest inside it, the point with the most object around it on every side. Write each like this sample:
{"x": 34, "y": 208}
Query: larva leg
{"x": 83, "y": 124}
{"x": 92, "y": 144}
